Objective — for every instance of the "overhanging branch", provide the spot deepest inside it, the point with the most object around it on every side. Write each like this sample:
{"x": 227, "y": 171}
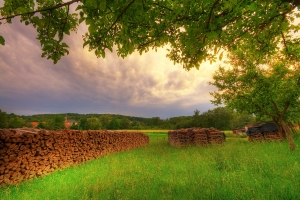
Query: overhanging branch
{"x": 210, "y": 13}
{"x": 284, "y": 42}
{"x": 41, "y": 10}
{"x": 120, "y": 15}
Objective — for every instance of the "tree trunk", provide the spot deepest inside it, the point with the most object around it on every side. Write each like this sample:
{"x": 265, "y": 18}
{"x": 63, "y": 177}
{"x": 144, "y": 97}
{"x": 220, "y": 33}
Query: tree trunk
{"x": 287, "y": 133}
{"x": 279, "y": 127}
{"x": 292, "y": 127}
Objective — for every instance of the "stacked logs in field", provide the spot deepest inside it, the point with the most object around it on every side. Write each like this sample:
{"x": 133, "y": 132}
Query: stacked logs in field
{"x": 28, "y": 153}
{"x": 239, "y": 131}
{"x": 273, "y": 136}
{"x": 195, "y": 136}
{"x": 256, "y": 137}
{"x": 266, "y": 131}
{"x": 267, "y": 136}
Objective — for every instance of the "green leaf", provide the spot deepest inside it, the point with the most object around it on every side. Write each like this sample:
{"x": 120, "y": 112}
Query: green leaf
{"x": 92, "y": 28}
{"x": 21, "y": 10}
{"x": 36, "y": 20}
{"x": 85, "y": 43}
{"x": 81, "y": 20}
{"x": 64, "y": 45}
{"x": 252, "y": 6}
{"x": 91, "y": 3}
{"x": 78, "y": 7}
{"x": 215, "y": 50}
{"x": 88, "y": 21}
{"x": 47, "y": 47}
{"x": 221, "y": 56}
{"x": 44, "y": 54}
{"x": 2, "y": 41}
{"x": 103, "y": 5}
{"x": 103, "y": 54}
{"x": 130, "y": 47}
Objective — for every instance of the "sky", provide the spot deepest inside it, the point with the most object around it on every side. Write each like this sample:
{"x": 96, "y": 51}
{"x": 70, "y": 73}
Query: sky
{"x": 147, "y": 85}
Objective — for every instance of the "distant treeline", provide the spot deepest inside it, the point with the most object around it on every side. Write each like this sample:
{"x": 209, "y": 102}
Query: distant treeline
{"x": 221, "y": 118}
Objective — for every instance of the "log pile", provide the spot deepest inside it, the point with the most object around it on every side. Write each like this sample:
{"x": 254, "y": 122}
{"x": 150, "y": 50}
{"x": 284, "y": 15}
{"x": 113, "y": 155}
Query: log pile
{"x": 272, "y": 136}
{"x": 267, "y": 136}
{"x": 266, "y": 131}
{"x": 28, "y": 153}
{"x": 195, "y": 136}
{"x": 239, "y": 131}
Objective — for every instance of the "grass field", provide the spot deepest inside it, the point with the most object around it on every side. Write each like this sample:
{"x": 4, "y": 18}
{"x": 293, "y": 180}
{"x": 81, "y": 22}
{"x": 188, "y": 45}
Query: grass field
{"x": 236, "y": 170}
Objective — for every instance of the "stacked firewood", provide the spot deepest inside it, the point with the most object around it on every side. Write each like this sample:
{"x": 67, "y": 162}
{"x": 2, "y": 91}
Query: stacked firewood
{"x": 256, "y": 137}
{"x": 266, "y": 131}
{"x": 273, "y": 136}
{"x": 201, "y": 137}
{"x": 195, "y": 136}
{"x": 268, "y": 136}
{"x": 28, "y": 153}
{"x": 239, "y": 131}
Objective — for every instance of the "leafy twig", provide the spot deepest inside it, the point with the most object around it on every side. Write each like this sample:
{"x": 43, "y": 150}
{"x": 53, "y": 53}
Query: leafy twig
{"x": 41, "y": 10}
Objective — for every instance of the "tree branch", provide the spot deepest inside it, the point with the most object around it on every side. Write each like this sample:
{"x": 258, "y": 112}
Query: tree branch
{"x": 210, "y": 13}
{"x": 62, "y": 30}
{"x": 120, "y": 15}
{"x": 267, "y": 22}
{"x": 266, "y": 112}
{"x": 284, "y": 42}
{"x": 285, "y": 108}
{"x": 41, "y": 10}
{"x": 163, "y": 6}
{"x": 276, "y": 108}
{"x": 262, "y": 108}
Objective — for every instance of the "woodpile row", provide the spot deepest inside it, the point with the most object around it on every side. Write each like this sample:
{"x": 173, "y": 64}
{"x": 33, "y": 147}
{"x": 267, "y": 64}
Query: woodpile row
{"x": 28, "y": 153}
{"x": 195, "y": 136}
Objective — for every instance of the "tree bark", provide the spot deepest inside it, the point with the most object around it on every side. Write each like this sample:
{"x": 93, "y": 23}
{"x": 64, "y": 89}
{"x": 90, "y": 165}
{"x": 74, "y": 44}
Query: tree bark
{"x": 287, "y": 133}
{"x": 292, "y": 128}
{"x": 279, "y": 127}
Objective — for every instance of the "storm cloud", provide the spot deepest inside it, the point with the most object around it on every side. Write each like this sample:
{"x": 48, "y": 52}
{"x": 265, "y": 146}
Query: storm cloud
{"x": 145, "y": 85}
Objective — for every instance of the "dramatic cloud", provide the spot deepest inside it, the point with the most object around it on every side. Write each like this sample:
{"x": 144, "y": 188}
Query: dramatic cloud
{"x": 148, "y": 85}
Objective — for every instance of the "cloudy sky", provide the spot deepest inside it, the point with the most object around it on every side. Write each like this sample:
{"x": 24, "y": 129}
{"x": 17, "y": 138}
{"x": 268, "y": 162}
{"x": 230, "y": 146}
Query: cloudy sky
{"x": 146, "y": 86}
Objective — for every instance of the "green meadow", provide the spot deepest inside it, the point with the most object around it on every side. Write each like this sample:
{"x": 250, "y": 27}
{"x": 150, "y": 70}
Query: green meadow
{"x": 237, "y": 169}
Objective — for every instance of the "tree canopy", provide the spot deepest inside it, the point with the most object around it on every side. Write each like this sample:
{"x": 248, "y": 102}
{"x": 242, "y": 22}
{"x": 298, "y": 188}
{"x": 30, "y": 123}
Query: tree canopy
{"x": 195, "y": 31}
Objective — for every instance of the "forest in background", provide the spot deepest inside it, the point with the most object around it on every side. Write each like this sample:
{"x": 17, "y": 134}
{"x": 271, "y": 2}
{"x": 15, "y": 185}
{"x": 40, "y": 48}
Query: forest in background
{"x": 221, "y": 118}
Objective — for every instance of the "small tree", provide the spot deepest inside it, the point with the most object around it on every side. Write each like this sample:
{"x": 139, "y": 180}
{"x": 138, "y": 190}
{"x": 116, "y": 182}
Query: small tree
{"x": 58, "y": 122}
{"x": 125, "y": 123}
{"x": 271, "y": 90}
{"x": 105, "y": 120}
{"x": 83, "y": 124}
{"x": 93, "y": 123}
{"x": 16, "y": 122}
{"x": 114, "y": 124}
{"x": 196, "y": 118}
{"x": 74, "y": 126}
{"x": 3, "y": 119}
{"x": 41, "y": 125}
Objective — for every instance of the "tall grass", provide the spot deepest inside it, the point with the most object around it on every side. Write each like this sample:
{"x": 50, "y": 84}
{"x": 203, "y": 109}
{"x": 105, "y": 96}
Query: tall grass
{"x": 236, "y": 170}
